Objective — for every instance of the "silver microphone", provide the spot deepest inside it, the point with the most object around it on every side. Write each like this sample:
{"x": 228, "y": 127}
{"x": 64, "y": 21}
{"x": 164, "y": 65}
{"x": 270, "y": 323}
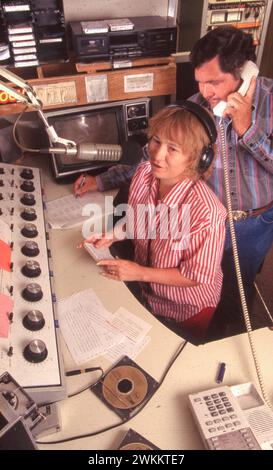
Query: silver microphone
{"x": 127, "y": 153}
{"x": 99, "y": 152}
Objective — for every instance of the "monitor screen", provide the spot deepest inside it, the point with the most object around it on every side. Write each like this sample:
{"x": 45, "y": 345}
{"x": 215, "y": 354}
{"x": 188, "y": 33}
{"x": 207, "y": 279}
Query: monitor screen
{"x": 97, "y": 123}
{"x": 96, "y": 126}
{"x": 90, "y": 125}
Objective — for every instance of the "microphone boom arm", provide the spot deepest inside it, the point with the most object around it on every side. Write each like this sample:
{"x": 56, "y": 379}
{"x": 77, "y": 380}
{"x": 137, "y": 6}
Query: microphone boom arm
{"x": 30, "y": 99}
{"x": 128, "y": 152}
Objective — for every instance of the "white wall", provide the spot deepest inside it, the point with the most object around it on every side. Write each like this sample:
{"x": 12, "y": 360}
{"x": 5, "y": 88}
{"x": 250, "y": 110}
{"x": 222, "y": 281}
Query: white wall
{"x": 76, "y": 10}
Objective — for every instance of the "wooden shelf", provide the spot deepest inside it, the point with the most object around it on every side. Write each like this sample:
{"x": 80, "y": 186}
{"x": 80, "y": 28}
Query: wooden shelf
{"x": 138, "y": 62}
{"x": 65, "y": 85}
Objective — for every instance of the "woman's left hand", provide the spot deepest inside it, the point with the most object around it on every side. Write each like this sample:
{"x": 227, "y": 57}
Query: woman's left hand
{"x": 121, "y": 270}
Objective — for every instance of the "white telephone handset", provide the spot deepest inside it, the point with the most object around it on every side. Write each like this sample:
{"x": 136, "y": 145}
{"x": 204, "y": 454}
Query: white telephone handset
{"x": 249, "y": 70}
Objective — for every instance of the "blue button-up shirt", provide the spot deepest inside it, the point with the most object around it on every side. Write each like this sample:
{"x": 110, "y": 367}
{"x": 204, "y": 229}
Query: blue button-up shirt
{"x": 250, "y": 158}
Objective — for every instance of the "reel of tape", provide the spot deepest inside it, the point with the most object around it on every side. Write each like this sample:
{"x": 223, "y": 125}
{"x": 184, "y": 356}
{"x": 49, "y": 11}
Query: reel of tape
{"x": 136, "y": 446}
{"x": 125, "y": 387}
{"x": 134, "y": 441}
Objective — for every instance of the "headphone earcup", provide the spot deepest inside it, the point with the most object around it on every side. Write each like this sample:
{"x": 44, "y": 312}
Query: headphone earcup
{"x": 206, "y": 159}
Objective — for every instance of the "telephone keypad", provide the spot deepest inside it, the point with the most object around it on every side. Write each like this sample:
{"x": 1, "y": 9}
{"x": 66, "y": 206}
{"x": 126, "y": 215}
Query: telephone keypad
{"x": 221, "y": 421}
{"x": 217, "y": 403}
{"x": 242, "y": 439}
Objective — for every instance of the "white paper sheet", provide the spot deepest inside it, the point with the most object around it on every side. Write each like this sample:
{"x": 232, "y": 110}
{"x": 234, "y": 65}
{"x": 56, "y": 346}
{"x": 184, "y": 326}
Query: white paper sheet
{"x": 89, "y": 330}
{"x": 85, "y": 326}
{"x": 126, "y": 347}
{"x": 129, "y": 324}
{"x": 97, "y": 253}
{"x": 69, "y": 211}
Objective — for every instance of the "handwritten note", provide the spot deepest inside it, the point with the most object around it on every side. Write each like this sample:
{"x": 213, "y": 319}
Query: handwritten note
{"x": 69, "y": 211}
{"x": 86, "y": 327}
{"x": 130, "y": 325}
{"x": 126, "y": 347}
{"x": 89, "y": 330}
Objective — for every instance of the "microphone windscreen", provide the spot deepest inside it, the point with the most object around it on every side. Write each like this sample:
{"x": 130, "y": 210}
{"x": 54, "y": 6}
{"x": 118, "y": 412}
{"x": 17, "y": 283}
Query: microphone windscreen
{"x": 132, "y": 153}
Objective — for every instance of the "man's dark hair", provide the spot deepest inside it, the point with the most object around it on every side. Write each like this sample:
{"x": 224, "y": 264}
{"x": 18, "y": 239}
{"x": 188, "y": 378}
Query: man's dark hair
{"x": 231, "y": 44}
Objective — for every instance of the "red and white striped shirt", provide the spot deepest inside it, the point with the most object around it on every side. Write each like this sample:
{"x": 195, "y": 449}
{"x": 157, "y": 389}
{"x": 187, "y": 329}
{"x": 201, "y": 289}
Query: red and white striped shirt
{"x": 200, "y": 257}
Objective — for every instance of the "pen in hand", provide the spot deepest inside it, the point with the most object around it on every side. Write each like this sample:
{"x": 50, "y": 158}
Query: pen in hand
{"x": 81, "y": 185}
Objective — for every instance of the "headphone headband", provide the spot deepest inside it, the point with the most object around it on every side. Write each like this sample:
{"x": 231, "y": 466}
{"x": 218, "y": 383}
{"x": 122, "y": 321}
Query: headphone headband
{"x": 209, "y": 125}
{"x": 201, "y": 114}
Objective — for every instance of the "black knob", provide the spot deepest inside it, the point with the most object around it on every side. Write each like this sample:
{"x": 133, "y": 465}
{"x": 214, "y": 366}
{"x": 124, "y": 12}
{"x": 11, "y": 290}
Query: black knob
{"x": 27, "y": 174}
{"x": 35, "y": 351}
{"x": 29, "y": 231}
{"x": 34, "y": 320}
{"x": 31, "y": 269}
{"x": 30, "y": 248}
{"x": 29, "y": 214}
{"x": 28, "y": 199}
{"x": 27, "y": 186}
{"x": 32, "y": 292}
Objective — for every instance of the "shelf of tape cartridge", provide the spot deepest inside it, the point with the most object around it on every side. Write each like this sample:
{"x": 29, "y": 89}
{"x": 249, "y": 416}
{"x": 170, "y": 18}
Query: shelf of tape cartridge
{"x": 60, "y": 91}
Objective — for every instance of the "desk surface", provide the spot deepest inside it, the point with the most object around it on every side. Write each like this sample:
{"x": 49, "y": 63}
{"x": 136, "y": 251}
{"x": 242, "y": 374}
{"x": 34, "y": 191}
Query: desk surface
{"x": 166, "y": 420}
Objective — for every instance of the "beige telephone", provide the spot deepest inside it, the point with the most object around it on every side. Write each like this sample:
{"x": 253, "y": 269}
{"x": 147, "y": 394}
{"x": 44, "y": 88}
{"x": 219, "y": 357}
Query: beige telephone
{"x": 249, "y": 70}
{"x": 233, "y": 418}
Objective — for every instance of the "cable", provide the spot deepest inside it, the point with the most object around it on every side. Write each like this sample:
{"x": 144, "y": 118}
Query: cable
{"x": 138, "y": 410}
{"x": 237, "y": 265}
{"x": 263, "y": 302}
{"x": 89, "y": 386}
{"x": 22, "y": 147}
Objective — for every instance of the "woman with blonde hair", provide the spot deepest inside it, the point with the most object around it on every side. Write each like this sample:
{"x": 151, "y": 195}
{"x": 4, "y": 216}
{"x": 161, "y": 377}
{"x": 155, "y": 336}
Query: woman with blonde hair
{"x": 177, "y": 224}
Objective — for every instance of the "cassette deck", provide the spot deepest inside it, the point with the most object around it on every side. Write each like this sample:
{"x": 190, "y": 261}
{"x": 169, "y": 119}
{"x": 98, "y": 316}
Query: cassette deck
{"x": 151, "y": 36}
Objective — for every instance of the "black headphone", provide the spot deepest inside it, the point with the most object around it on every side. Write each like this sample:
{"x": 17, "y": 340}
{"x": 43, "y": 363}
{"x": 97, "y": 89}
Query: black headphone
{"x": 209, "y": 125}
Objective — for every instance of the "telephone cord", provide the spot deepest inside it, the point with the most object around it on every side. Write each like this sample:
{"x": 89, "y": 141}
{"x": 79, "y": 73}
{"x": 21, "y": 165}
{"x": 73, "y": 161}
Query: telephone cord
{"x": 237, "y": 265}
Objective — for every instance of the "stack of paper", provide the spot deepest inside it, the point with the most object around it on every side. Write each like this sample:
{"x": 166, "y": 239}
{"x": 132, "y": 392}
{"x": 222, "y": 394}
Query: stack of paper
{"x": 69, "y": 211}
{"x": 90, "y": 330}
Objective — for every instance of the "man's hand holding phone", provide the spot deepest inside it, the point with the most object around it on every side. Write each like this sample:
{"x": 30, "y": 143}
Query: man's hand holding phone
{"x": 239, "y": 104}
{"x": 239, "y": 108}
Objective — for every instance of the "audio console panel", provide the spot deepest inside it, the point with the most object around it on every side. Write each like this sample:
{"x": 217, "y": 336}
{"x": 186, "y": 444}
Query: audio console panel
{"x": 30, "y": 351}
